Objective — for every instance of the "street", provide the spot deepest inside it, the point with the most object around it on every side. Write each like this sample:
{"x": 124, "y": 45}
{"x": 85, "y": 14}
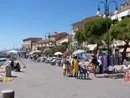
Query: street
{"x": 40, "y": 80}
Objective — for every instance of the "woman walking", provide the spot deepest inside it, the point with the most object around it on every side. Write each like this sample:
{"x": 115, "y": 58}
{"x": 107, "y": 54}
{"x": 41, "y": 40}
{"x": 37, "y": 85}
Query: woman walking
{"x": 75, "y": 66}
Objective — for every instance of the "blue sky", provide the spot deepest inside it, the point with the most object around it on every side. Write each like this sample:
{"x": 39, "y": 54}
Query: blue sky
{"x": 20, "y": 19}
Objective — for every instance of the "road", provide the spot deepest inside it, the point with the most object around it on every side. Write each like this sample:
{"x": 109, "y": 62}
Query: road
{"x": 40, "y": 80}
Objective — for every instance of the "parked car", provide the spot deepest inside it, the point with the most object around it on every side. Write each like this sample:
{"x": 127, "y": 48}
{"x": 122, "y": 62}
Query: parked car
{"x": 48, "y": 60}
{"x": 53, "y": 61}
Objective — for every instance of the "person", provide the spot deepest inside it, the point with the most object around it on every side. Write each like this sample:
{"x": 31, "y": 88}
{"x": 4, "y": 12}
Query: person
{"x": 127, "y": 75}
{"x": 82, "y": 70}
{"x": 94, "y": 63}
{"x": 64, "y": 67}
{"x": 100, "y": 64}
{"x": 12, "y": 64}
{"x": 75, "y": 66}
{"x": 17, "y": 67}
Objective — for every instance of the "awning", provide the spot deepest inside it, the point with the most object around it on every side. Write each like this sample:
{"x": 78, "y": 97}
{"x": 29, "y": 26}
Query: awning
{"x": 114, "y": 17}
{"x": 92, "y": 47}
{"x": 124, "y": 13}
{"x": 128, "y": 50}
{"x": 65, "y": 40}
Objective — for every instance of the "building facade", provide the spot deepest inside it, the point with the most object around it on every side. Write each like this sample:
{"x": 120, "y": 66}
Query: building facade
{"x": 60, "y": 37}
{"x": 29, "y": 44}
{"x": 122, "y": 13}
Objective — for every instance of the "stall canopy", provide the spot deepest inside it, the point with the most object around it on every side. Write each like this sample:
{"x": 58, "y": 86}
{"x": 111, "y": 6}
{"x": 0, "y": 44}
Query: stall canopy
{"x": 58, "y": 53}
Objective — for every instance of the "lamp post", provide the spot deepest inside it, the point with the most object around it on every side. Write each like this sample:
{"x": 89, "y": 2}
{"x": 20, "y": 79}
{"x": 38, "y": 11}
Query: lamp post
{"x": 106, "y": 14}
{"x": 49, "y": 42}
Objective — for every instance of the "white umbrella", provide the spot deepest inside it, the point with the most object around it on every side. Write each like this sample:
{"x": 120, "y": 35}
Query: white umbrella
{"x": 78, "y": 52}
{"x": 35, "y": 51}
{"x": 58, "y": 53}
{"x": 13, "y": 51}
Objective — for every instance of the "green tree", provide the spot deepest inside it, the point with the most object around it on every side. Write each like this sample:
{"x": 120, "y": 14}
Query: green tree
{"x": 66, "y": 44}
{"x": 121, "y": 31}
{"x": 96, "y": 30}
{"x": 80, "y": 36}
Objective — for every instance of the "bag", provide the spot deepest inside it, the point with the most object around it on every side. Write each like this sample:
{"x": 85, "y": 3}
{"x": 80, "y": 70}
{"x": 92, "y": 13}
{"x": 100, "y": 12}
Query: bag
{"x": 97, "y": 69}
{"x": 64, "y": 66}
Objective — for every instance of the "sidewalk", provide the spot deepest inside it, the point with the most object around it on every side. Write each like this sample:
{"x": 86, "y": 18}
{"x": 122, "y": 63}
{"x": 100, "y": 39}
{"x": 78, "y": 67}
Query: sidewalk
{"x": 40, "y": 80}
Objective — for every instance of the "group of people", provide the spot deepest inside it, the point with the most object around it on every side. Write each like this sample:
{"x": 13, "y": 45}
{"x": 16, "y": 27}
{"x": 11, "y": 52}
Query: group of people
{"x": 79, "y": 70}
{"x": 15, "y": 67}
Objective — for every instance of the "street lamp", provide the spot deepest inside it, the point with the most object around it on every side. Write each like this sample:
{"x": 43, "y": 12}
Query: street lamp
{"x": 49, "y": 42}
{"x": 106, "y": 15}
{"x": 106, "y": 7}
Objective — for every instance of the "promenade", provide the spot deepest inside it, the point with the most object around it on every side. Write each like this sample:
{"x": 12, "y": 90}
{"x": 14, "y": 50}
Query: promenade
{"x": 40, "y": 80}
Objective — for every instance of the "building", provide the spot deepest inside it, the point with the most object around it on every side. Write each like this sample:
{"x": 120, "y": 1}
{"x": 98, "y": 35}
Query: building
{"x": 80, "y": 24}
{"x": 30, "y": 44}
{"x": 122, "y": 13}
{"x": 60, "y": 37}
{"x": 45, "y": 43}
{"x": 53, "y": 40}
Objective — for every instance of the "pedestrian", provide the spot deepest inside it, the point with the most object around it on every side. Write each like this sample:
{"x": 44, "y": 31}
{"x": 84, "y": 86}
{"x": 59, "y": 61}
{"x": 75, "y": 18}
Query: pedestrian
{"x": 82, "y": 70}
{"x": 12, "y": 64}
{"x": 75, "y": 66}
{"x": 100, "y": 64}
{"x": 94, "y": 64}
{"x": 64, "y": 67}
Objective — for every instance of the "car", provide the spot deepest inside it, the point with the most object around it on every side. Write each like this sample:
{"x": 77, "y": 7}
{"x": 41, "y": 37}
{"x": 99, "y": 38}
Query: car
{"x": 53, "y": 61}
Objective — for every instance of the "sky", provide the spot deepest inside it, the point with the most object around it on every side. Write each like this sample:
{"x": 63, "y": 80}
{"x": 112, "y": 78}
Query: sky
{"x": 20, "y": 19}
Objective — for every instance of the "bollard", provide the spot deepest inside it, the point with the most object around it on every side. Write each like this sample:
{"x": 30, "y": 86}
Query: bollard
{"x": 8, "y": 71}
{"x": 8, "y": 93}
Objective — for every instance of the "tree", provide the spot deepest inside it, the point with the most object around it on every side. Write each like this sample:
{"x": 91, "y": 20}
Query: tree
{"x": 80, "y": 36}
{"x": 66, "y": 44}
{"x": 96, "y": 30}
{"x": 121, "y": 31}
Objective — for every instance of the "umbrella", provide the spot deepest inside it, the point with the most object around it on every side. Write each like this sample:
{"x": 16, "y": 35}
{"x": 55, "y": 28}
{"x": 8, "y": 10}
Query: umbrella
{"x": 78, "y": 52}
{"x": 35, "y": 51}
{"x": 58, "y": 53}
{"x": 13, "y": 51}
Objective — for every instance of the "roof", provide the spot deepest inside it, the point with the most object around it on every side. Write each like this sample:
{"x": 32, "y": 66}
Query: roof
{"x": 81, "y": 23}
{"x": 32, "y": 39}
{"x": 59, "y": 36}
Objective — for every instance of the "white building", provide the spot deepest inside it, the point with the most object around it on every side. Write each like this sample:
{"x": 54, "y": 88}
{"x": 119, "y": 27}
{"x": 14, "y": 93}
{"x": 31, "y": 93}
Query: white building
{"x": 122, "y": 13}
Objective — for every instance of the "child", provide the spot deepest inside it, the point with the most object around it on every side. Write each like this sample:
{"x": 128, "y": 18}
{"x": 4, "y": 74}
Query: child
{"x": 64, "y": 69}
{"x": 83, "y": 71}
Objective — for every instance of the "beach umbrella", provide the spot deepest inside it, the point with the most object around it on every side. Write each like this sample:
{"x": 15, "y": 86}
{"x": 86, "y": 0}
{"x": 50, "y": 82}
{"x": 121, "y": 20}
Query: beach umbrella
{"x": 13, "y": 51}
{"x": 78, "y": 52}
{"x": 58, "y": 53}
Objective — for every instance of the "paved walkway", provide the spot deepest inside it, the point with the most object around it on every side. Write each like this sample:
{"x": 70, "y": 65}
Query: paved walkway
{"x": 40, "y": 80}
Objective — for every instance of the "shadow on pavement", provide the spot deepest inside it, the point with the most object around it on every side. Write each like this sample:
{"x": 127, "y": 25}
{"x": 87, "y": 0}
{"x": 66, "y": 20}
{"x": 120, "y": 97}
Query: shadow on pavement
{"x": 84, "y": 78}
{"x": 14, "y": 76}
{"x": 114, "y": 76}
